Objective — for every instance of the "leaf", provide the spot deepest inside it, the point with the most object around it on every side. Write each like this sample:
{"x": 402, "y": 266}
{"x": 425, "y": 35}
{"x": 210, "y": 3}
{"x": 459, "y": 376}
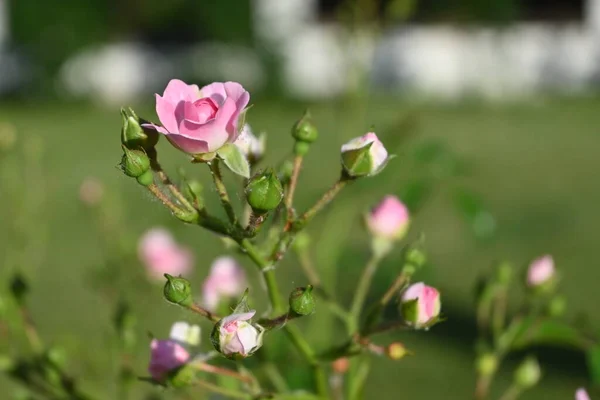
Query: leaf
{"x": 550, "y": 332}
{"x": 242, "y": 306}
{"x": 593, "y": 361}
{"x": 235, "y": 160}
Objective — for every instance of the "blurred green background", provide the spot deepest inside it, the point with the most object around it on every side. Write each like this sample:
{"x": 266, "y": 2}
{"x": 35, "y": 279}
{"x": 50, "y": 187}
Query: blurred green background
{"x": 486, "y": 181}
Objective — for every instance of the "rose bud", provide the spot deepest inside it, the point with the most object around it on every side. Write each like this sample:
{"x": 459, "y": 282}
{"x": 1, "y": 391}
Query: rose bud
{"x": 178, "y": 291}
{"x": 528, "y": 374}
{"x": 166, "y": 356}
{"x": 134, "y": 163}
{"x": 226, "y": 280}
{"x": 364, "y": 156}
{"x": 420, "y": 305}
{"x": 301, "y": 301}
{"x": 396, "y": 351}
{"x": 581, "y": 394}
{"x": 487, "y": 364}
{"x": 389, "y": 219}
{"x": 133, "y": 136}
{"x": 251, "y": 146}
{"x": 236, "y": 337}
{"x": 305, "y": 133}
{"x": 541, "y": 272}
{"x": 160, "y": 254}
{"x": 200, "y": 121}
{"x": 264, "y": 192}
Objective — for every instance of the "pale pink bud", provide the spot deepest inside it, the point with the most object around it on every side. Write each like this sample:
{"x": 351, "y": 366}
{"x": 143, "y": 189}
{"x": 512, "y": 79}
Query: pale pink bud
{"x": 166, "y": 356}
{"x": 200, "y": 121}
{"x": 251, "y": 146}
{"x": 420, "y": 304}
{"x": 368, "y": 162}
{"x": 226, "y": 279}
{"x": 236, "y": 336}
{"x": 161, "y": 255}
{"x": 541, "y": 270}
{"x": 581, "y": 394}
{"x": 91, "y": 191}
{"x": 389, "y": 219}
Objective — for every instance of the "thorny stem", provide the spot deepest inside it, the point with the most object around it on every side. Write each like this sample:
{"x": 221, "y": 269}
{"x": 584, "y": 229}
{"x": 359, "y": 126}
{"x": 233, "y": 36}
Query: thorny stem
{"x": 204, "y": 312}
{"x": 320, "y": 204}
{"x": 231, "y": 393}
{"x": 166, "y": 201}
{"x": 213, "y": 369}
{"x": 222, "y": 190}
{"x": 361, "y": 291}
{"x": 289, "y": 198}
{"x": 165, "y": 180}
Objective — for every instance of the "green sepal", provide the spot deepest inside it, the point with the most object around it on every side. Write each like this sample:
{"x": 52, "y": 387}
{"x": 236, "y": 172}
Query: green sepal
{"x": 358, "y": 162}
{"x": 235, "y": 160}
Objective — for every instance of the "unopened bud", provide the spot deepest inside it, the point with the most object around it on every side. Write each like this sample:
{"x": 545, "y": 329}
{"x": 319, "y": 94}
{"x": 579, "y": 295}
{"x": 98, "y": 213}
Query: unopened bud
{"x": 236, "y": 337}
{"x": 133, "y": 135}
{"x": 396, "y": 351}
{"x": 304, "y": 130}
{"x": 420, "y": 305}
{"x": 541, "y": 274}
{"x": 528, "y": 374}
{"x": 364, "y": 156}
{"x": 264, "y": 192}
{"x": 146, "y": 179}
{"x": 389, "y": 219}
{"x": 302, "y": 301}
{"x": 487, "y": 364}
{"x": 134, "y": 163}
{"x": 178, "y": 291}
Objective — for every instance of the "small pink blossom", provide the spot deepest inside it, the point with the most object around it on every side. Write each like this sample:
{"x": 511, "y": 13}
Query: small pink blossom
{"x": 166, "y": 356}
{"x": 237, "y": 336}
{"x": 581, "y": 394}
{"x": 389, "y": 219}
{"x": 377, "y": 151}
{"x": 541, "y": 270}
{"x": 200, "y": 121}
{"x": 420, "y": 304}
{"x": 161, "y": 255}
{"x": 91, "y": 191}
{"x": 226, "y": 279}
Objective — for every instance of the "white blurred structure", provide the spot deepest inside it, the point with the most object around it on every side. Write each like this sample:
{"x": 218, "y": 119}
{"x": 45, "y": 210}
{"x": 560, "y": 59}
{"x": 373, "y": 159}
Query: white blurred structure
{"x": 437, "y": 60}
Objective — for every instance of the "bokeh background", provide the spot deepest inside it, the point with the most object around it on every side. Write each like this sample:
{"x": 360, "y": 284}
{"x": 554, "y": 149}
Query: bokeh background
{"x": 491, "y": 106}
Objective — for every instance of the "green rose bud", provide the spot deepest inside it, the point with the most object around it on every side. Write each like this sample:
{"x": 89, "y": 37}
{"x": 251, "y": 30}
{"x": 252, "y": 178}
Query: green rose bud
{"x": 178, "y": 291}
{"x": 145, "y": 179}
{"x": 134, "y": 163}
{"x": 264, "y": 192}
{"x": 133, "y": 135}
{"x": 304, "y": 130}
{"x": 302, "y": 302}
{"x": 487, "y": 364}
{"x": 364, "y": 156}
{"x": 528, "y": 374}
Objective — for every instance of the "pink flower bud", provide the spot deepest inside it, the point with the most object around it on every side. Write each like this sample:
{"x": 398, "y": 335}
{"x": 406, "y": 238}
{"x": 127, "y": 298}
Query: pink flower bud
{"x": 91, "y": 191}
{"x": 420, "y": 305}
{"x": 161, "y": 255}
{"x": 541, "y": 270}
{"x": 200, "y": 121}
{"x": 234, "y": 336}
{"x": 389, "y": 219}
{"x": 251, "y": 146}
{"x": 166, "y": 356}
{"x": 581, "y": 394}
{"x": 226, "y": 279}
{"x": 358, "y": 159}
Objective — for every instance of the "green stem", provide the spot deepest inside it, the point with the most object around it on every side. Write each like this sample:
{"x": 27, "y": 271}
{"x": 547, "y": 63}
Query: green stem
{"x": 234, "y": 394}
{"x": 289, "y": 198}
{"x": 376, "y": 310}
{"x": 203, "y": 312}
{"x": 357, "y": 381}
{"x": 165, "y": 180}
{"x": 363, "y": 288}
{"x": 184, "y": 215}
{"x": 320, "y": 204}
{"x": 275, "y": 377}
{"x": 222, "y": 190}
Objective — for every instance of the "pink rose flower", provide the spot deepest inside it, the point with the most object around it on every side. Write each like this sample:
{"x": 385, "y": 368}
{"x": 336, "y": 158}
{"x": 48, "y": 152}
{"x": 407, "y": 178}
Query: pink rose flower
{"x": 237, "y": 336}
{"x": 420, "y": 304}
{"x": 581, "y": 394}
{"x": 166, "y": 356}
{"x": 389, "y": 219}
{"x": 200, "y": 121}
{"x": 226, "y": 279}
{"x": 541, "y": 270}
{"x": 160, "y": 254}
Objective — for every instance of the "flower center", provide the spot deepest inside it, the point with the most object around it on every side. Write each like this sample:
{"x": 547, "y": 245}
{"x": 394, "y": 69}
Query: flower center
{"x": 231, "y": 327}
{"x": 205, "y": 109}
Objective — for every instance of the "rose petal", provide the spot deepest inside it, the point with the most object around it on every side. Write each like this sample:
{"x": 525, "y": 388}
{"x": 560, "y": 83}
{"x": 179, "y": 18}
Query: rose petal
{"x": 178, "y": 90}
{"x": 247, "y": 336}
{"x": 187, "y": 145}
{"x": 165, "y": 110}
{"x": 216, "y": 91}
{"x": 157, "y": 128}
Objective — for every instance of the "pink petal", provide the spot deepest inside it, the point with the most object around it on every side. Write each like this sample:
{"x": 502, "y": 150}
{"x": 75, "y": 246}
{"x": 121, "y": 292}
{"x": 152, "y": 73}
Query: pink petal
{"x": 178, "y": 90}
{"x": 157, "y": 128}
{"x": 247, "y": 336}
{"x": 215, "y": 91}
{"x": 239, "y": 317}
{"x": 165, "y": 109}
{"x": 213, "y": 132}
{"x": 581, "y": 394}
{"x": 187, "y": 145}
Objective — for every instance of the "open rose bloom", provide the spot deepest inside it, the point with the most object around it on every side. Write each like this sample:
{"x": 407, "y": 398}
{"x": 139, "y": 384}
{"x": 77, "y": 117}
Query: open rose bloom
{"x": 161, "y": 255}
{"x": 226, "y": 280}
{"x": 420, "y": 305}
{"x": 541, "y": 271}
{"x": 389, "y": 219}
{"x": 236, "y": 337}
{"x": 200, "y": 121}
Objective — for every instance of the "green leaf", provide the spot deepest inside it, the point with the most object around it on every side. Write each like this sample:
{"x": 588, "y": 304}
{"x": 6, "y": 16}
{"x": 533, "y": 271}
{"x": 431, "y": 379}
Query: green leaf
{"x": 550, "y": 332}
{"x": 235, "y": 160}
{"x": 242, "y": 305}
{"x": 593, "y": 361}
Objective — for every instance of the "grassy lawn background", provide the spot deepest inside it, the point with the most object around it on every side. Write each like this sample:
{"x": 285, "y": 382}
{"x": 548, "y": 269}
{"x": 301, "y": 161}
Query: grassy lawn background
{"x": 535, "y": 166}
